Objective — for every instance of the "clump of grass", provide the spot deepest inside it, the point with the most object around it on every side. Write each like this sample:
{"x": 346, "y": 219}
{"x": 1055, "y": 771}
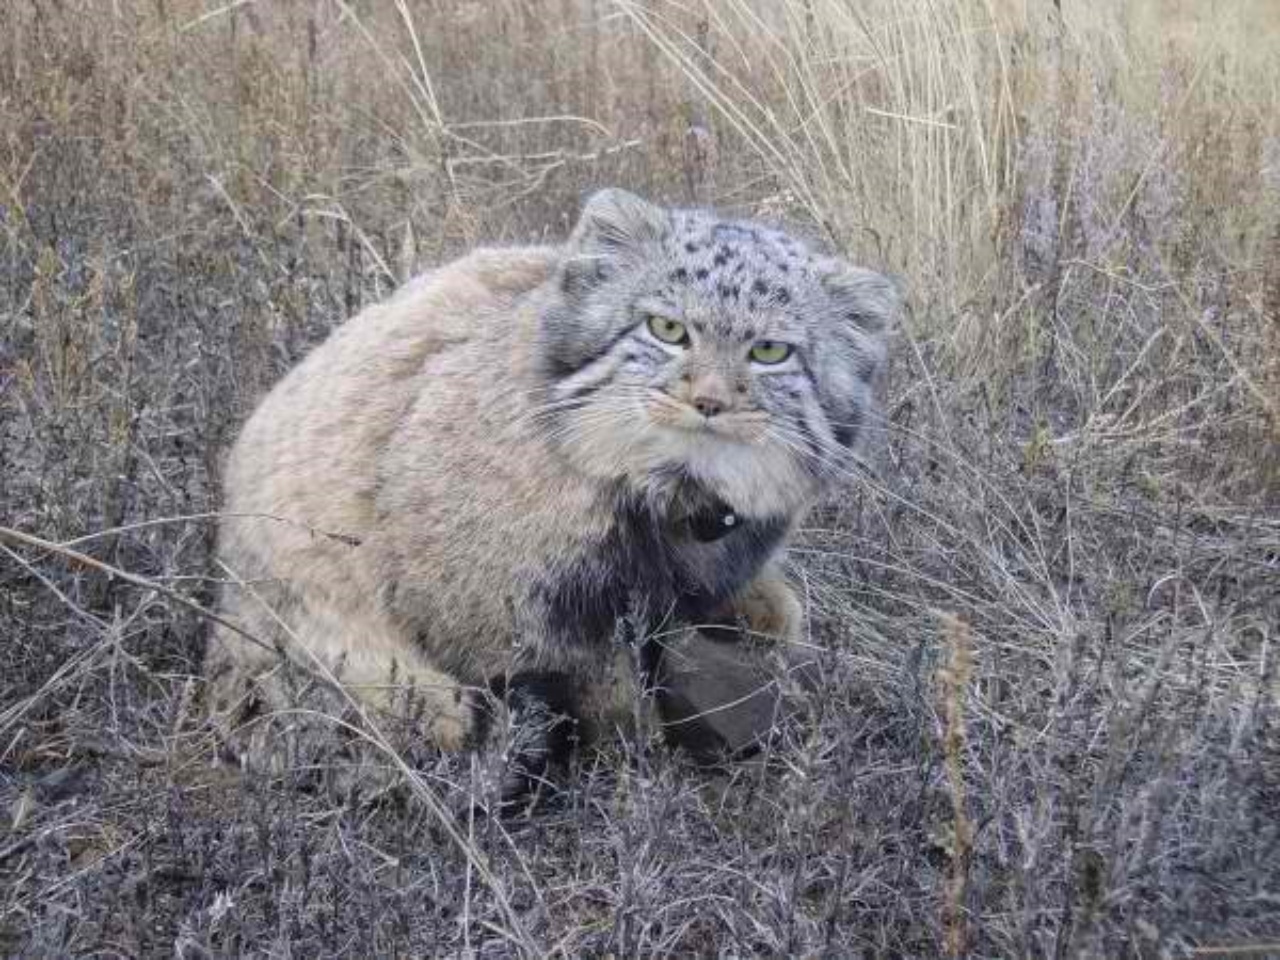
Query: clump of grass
{"x": 1076, "y": 458}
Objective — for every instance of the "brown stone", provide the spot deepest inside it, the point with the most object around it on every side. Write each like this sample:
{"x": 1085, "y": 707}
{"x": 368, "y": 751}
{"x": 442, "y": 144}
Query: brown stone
{"x": 723, "y": 698}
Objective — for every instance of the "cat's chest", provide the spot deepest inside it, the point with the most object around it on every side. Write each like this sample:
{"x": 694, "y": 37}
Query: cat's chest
{"x": 686, "y": 562}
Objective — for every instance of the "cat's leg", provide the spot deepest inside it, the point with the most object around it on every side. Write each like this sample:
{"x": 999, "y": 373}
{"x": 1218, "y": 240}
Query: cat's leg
{"x": 301, "y": 705}
{"x": 541, "y": 730}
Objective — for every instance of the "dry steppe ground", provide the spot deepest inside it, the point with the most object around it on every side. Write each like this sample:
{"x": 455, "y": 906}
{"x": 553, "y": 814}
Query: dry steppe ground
{"x": 1048, "y": 605}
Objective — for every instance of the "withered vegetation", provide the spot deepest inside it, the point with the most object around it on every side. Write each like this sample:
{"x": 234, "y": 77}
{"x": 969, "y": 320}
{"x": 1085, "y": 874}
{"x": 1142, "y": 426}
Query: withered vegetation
{"x": 1048, "y": 607}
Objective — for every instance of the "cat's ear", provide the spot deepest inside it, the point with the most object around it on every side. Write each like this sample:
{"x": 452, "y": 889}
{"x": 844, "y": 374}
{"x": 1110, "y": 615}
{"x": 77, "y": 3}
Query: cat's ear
{"x": 615, "y": 226}
{"x": 867, "y": 300}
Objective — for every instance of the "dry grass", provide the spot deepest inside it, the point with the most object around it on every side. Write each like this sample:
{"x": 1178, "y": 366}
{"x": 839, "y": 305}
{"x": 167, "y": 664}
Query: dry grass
{"x": 1048, "y": 722}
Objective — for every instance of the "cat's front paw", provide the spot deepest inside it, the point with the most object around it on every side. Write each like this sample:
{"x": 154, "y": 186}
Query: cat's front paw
{"x": 771, "y": 611}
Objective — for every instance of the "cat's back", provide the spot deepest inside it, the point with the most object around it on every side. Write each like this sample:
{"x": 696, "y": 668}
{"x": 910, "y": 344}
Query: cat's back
{"x": 313, "y": 446}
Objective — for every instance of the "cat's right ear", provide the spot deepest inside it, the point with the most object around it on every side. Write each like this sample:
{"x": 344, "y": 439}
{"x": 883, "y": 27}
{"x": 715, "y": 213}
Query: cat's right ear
{"x": 615, "y": 227}
{"x": 866, "y": 301}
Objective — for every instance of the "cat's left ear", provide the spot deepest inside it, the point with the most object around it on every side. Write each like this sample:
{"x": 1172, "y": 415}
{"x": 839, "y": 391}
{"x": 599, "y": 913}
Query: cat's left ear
{"x": 615, "y": 227}
{"x": 867, "y": 300}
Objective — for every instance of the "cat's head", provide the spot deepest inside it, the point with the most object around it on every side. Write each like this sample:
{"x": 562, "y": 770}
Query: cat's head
{"x": 728, "y": 352}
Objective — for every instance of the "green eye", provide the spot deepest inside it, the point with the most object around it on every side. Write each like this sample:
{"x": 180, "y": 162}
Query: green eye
{"x": 668, "y": 331}
{"x": 770, "y": 351}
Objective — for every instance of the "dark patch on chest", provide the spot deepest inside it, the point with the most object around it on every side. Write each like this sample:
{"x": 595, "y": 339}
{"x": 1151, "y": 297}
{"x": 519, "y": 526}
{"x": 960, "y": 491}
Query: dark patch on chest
{"x": 690, "y": 560}
{"x": 713, "y": 522}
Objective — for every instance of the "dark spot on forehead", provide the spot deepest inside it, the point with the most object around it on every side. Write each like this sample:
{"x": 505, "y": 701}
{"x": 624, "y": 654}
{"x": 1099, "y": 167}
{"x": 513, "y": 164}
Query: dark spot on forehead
{"x": 781, "y": 295}
{"x": 691, "y": 247}
{"x": 760, "y": 287}
{"x": 702, "y": 273}
{"x": 679, "y": 274}
{"x": 729, "y": 292}
{"x": 782, "y": 265}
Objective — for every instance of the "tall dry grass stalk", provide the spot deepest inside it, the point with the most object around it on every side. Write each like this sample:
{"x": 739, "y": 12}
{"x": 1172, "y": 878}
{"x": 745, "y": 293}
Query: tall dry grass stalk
{"x": 953, "y": 689}
{"x": 890, "y": 126}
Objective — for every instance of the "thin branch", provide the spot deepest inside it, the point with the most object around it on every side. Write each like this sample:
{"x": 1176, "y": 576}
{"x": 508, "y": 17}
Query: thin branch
{"x": 75, "y": 556}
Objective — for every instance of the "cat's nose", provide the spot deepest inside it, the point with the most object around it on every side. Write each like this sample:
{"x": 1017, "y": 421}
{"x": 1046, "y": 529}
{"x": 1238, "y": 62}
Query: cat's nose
{"x": 709, "y": 393}
{"x": 708, "y": 406}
